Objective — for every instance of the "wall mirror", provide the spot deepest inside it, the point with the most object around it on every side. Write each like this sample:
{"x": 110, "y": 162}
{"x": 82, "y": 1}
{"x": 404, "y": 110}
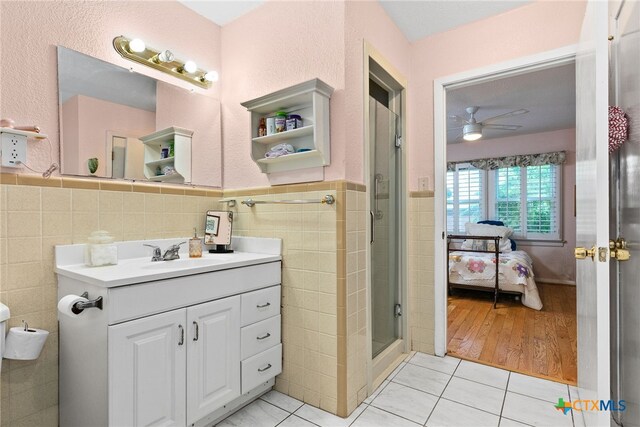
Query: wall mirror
{"x": 120, "y": 124}
{"x": 217, "y": 230}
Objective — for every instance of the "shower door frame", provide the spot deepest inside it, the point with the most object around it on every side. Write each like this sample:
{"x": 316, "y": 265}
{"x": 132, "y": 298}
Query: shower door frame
{"x": 392, "y": 79}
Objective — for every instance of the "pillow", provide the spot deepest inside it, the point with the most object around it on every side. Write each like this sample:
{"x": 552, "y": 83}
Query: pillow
{"x": 496, "y": 222}
{"x": 487, "y": 230}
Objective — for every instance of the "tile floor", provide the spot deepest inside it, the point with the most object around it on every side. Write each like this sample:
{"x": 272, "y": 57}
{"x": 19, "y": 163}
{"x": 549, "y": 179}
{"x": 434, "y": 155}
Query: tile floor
{"x": 427, "y": 391}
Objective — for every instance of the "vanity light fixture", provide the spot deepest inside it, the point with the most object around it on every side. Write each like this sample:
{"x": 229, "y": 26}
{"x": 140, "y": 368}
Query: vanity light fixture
{"x": 163, "y": 60}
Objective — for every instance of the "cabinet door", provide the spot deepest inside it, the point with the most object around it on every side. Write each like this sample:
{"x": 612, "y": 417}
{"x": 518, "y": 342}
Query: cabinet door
{"x": 213, "y": 369}
{"x": 147, "y": 372}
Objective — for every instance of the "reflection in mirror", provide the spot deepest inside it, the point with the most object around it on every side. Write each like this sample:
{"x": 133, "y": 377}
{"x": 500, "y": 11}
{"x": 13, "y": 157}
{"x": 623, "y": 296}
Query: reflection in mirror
{"x": 106, "y": 112}
{"x": 217, "y": 230}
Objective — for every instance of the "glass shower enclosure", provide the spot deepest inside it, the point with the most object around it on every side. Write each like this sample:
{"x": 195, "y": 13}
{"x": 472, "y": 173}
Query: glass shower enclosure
{"x": 384, "y": 223}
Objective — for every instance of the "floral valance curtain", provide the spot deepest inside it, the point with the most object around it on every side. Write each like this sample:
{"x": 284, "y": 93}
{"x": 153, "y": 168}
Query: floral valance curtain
{"x": 523, "y": 160}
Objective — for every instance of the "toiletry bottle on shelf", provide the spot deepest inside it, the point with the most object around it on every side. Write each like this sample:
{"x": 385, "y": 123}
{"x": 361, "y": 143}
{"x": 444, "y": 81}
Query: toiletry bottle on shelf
{"x": 195, "y": 245}
{"x": 262, "y": 129}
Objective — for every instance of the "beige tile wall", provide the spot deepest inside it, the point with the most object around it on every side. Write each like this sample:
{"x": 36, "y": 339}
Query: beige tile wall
{"x": 324, "y": 274}
{"x": 356, "y": 295}
{"x": 309, "y": 294}
{"x": 33, "y": 218}
{"x": 421, "y": 271}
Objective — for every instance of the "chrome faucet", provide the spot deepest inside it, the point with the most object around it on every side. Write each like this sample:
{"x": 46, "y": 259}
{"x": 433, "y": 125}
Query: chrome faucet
{"x": 172, "y": 252}
{"x": 157, "y": 255}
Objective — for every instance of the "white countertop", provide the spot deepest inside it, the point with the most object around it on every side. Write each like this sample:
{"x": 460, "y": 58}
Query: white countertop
{"x": 133, "y": 268}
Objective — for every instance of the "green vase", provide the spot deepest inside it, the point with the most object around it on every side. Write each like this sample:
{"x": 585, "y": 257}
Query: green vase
{"x": 93, "y": 165}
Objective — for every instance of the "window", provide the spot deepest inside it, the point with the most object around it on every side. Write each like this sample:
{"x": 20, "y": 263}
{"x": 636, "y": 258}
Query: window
{"x": 526, "y": 199}
{"x": 465, "y": 197}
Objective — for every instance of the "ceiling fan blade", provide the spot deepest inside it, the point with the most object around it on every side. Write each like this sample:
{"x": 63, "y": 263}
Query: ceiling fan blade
{"x": 509, "y": 114}
{"x": 502, "y": 127}
{"x": 457, "y": 118}
{"x": 455, "y": 127}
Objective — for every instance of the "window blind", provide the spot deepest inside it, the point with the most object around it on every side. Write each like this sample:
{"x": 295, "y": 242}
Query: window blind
{"x": 465, "y": 197}
{"x": 542, "y": 206}
{"x": 508, "y": 195}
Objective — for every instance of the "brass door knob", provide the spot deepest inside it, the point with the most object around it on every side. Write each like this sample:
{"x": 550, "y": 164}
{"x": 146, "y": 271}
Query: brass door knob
{"x": 582, "y": 253}
{"x": 621, "y": 254}
{"x": 619, "y": 249}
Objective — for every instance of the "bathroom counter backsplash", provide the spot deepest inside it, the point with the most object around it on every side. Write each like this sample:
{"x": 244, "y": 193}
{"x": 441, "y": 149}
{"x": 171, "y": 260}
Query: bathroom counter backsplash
{"x": 135, "y": 265}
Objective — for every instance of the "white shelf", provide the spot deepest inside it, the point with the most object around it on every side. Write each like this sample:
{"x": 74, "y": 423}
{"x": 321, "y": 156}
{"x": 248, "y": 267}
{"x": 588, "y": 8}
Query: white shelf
{"x": 181, "y": 160}
{"x": 309, "y": 100}
{"x": 284, "y": 136}
{"x": 172, "y": 177}
{"x": 161, "y": 162}
{"x": 28, "y": 134}
{"x": 289, "y": 157}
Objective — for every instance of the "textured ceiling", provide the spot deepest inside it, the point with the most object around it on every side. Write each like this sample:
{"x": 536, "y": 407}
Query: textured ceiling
{"x": 415, "y": 18}
{"x": 549, "y": 95}
{"x": 418, "y": 19}
{"x": 222, "y": 11}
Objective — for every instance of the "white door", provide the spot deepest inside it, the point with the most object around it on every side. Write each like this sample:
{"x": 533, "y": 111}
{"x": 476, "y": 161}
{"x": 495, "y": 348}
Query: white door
{"x": 134, "y": 163}
{"x": 213, "y": 369}
{"x": 147, "y": 372}
{"x": 592, "y": 211}
{"x": 118, "y": 156}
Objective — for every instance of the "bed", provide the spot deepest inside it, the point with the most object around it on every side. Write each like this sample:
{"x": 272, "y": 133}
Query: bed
{"x": 489, "y": 269}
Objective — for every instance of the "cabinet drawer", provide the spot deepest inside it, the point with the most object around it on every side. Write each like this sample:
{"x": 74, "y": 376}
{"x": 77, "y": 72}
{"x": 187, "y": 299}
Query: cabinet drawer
{"x": 260, "y": 336}
{"x": 261, "y": 367}
{"x": 260, "y": 305}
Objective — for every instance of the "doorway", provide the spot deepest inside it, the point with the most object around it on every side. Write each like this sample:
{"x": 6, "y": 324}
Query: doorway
{"x": 444, "y": 317}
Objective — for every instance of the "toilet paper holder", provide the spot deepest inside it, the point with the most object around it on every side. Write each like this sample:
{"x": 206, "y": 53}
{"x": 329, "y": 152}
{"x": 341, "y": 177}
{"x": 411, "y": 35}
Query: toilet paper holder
{"x": 80, "y": 306}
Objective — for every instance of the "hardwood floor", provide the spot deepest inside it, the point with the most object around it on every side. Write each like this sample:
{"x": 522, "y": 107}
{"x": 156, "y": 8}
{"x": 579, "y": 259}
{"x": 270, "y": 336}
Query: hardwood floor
{"x": 514, "y": 337}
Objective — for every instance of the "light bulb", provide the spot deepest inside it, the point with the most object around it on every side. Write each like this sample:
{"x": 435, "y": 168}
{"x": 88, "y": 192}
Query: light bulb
{"x": 137, "y": 45}
{"x": 164, "y": 56}
{"x": 211, "y": 76}
{"x": 190, "y": 67}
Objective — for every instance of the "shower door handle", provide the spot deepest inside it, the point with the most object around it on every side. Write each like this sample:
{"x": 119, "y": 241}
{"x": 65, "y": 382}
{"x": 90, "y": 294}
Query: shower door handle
{"x": 373, "y": 233}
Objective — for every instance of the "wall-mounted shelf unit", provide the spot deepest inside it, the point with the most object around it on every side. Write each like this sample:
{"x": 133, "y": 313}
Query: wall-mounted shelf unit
{"x": 181, "y": 160}
{"x": 310, "y": 100}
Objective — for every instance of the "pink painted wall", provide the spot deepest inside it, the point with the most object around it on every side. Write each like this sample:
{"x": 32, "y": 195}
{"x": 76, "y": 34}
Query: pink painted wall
{"x": 29, "y": 92}
{"x": 311, "y": 39}
{"x": 550, "y": 262}
{"x": 94, "y": 118}
{"x": 277, "y": 45}
{"x": 201, "y": 114}
{"x": 531, "y": 29}
{"x": 366, "y": 21}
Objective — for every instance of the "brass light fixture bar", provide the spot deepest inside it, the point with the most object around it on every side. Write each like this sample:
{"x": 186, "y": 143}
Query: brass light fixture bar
{"x": 135, "y": 50}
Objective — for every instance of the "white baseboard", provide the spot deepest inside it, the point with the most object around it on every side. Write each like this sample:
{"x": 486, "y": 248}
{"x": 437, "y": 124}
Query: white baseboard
{"x": 555, "y": 281}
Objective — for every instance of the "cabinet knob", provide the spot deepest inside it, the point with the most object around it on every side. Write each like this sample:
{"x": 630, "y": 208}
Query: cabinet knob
{"x": 263, "y": 305}
{"x": 264, "y": 337}
{"x": 197, "y": 331}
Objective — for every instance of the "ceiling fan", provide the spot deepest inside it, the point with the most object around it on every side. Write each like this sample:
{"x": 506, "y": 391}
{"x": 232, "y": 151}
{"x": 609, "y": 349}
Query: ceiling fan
{"x": 472, "y": 129}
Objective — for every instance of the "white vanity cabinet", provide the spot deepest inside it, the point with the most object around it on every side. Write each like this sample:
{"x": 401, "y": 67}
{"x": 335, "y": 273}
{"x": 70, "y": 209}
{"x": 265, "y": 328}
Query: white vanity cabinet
{"x": 151, "y": 359}
{"x": 213, "y": 352}
{"x": 147, "y": 361}
{"x": 185, "y": 350}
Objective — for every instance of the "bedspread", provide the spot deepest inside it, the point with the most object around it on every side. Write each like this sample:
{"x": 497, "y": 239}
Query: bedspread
{"x": 514, "y": 267}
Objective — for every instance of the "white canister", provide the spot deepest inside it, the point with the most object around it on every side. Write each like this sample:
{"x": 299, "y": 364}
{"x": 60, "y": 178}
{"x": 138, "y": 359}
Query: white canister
{"x": 271, "y": 125}
{"x": 100, "y": 249}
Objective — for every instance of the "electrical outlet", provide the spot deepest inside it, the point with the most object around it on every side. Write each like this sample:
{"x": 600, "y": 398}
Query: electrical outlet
{"x": 14, "y": 149}
{"x": 423, "y": 183}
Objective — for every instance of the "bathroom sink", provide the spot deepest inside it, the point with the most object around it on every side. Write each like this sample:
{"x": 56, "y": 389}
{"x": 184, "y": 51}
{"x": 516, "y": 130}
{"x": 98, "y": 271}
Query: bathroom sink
{"x": 184, "y": 263}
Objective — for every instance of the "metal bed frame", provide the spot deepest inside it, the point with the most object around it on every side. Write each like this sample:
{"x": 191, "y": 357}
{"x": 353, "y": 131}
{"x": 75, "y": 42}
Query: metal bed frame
{"x": 496, "y": 289}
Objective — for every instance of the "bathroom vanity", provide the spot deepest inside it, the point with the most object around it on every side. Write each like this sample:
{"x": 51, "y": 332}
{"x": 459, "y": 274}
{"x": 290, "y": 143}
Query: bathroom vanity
{"x": 181, "y": 342}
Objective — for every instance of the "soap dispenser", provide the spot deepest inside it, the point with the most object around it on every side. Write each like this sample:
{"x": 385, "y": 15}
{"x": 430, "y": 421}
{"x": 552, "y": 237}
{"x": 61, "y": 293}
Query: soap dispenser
{"x": 195, "y": 245}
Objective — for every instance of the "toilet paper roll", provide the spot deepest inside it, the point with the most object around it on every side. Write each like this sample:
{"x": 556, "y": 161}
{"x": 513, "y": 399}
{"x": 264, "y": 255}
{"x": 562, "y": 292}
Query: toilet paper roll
{"x": 25, "y": 345}
{"x": 66, "y": 303}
